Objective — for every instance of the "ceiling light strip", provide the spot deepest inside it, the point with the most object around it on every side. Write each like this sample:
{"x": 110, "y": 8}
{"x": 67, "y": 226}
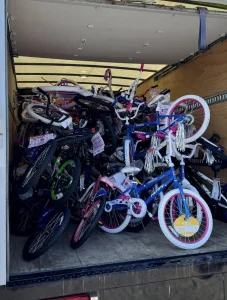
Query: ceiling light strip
{"x": 82, "y": 65}
{"x": 74, "y": 75}
{"x": 79, "y": 82}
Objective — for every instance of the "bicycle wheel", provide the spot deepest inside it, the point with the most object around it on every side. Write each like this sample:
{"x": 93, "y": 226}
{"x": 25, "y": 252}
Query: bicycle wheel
{"x": 91, "y": 213}
{"x": 66, "y": 179}
{"x": 197, "y": 116}
{"x": 32, "y": 174}
{"x": 45, "y": 237}
{"x": 184, "y": 233}
{"x": 128, "y": 151}
{"x": 115, "y": 219}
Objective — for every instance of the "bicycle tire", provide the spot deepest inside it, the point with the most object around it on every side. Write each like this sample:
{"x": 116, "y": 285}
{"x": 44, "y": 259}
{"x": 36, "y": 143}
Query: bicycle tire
{"x": 43, "y": 119}
{"x": 31, "y": 256}
{"x": 78, "y": 241}
{"x": 74, "y": 183}
{"x": 128, "y": 151}
{"x": 25, "y": 185}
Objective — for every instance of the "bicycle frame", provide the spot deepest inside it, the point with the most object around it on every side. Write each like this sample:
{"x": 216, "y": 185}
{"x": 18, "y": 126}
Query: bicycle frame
{"x": 169, "y": 176}
{"x": 130, "y": 130}
{"x": 197, "y": 174}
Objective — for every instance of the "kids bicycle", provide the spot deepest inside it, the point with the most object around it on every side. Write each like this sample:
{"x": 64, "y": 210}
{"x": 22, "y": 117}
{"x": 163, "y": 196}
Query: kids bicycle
{"x": 184, "y": 217}
{"x": 185, "y": 127}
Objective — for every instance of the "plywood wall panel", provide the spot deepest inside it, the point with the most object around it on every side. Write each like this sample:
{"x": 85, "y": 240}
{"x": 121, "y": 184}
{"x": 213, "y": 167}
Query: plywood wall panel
{"x": 205, "y": 75}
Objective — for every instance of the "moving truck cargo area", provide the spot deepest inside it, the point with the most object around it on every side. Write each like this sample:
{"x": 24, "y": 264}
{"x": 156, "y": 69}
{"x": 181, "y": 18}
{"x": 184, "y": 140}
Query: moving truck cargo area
{"x": 113, "y": 150}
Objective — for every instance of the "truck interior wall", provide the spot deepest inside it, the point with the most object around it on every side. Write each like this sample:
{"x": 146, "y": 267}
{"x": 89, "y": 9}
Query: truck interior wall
{"x": 205, "y": 75}
{"x": 12, "y": 117}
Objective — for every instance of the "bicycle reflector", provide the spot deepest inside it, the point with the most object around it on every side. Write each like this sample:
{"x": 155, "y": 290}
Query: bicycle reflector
{"x": 75, "y": 297}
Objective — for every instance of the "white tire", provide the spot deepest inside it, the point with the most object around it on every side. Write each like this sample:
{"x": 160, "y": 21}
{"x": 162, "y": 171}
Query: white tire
{"x": 36, "y": 116}
{"x": 206, "y": 112}
{"x": 172, "y": 235}
{"x": 120, "y": 228}
{"x": 128, "y": 152}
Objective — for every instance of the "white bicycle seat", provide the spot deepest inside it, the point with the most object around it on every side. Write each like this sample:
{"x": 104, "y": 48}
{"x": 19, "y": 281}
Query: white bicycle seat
{"x": 130, "y": 170}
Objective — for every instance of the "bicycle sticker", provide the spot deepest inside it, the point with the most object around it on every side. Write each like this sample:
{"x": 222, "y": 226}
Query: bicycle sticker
{"x": 216, "y": 191}
{"x": 117, "y": 178}
{"x": 81, "y": 182}
{"x": 163, "y": 109}
{"x": 98, "y": 144}
{"x": 126, "y": 183}
{"x": 39, "y": 140}
{"x": 186, "y": 227}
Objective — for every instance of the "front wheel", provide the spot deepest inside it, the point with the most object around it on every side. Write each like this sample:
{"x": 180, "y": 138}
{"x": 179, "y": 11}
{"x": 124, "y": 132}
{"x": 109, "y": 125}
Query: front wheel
{"x": 185, "y": 233}
{"x": 196, "y": 116}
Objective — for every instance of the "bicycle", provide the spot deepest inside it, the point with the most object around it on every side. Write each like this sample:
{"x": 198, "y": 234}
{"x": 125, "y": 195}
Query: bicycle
{"x": 211, "y": 189}
{"x": 177, "y": 210}
{"x": 176, "y": 117}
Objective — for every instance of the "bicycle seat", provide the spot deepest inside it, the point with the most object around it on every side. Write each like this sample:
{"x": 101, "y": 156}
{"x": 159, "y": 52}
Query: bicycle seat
{"x": 130, "y": 170}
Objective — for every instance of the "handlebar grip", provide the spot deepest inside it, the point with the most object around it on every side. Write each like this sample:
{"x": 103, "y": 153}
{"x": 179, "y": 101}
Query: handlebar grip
{"x": 141, "y": 67}
{"x": 129, "y": 107}
{"x": 166, "y": 92}
{"x": 108, "y": 74}
{"x": 154, "y": 86}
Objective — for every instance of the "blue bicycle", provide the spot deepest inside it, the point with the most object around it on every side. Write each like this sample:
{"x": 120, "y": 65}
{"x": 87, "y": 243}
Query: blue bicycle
{"x": 184, "y": 217}
{"x": 188, "y": 115}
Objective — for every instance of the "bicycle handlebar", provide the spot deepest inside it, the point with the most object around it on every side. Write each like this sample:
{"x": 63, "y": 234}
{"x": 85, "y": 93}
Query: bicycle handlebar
{"x": 136, "y": 109}
{"x": 190, "y": 146}
{"x": 141, "y": 67}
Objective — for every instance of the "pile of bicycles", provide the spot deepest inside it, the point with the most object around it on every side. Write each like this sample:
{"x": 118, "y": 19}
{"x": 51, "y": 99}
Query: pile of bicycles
{"x": 112, "y": 160}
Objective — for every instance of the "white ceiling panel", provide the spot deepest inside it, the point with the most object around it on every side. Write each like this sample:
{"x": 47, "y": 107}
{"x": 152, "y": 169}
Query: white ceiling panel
{"x": 55, "y": 29}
